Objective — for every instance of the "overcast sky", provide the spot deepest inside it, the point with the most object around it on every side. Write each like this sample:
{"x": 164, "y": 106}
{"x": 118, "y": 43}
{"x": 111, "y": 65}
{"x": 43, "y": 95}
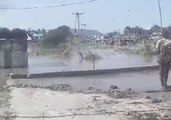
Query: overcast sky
{"x": 103, "y": 15}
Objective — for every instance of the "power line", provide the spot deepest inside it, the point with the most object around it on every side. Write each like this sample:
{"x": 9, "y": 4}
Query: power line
{"x": 49, "y": 6}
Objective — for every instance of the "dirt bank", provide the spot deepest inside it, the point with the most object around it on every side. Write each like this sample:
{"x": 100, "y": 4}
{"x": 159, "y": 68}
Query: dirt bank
{"x": 5, "y": 110}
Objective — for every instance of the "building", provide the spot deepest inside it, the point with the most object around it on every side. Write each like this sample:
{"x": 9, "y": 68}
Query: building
{"x": 37, "y": 36}
{"x": 34, "y": 36}
{"x": 85, "y": 33}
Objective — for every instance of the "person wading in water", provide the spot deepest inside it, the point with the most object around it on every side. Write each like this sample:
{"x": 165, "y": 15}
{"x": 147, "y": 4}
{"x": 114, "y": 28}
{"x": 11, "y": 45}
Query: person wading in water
{"x": 164, "y": 49}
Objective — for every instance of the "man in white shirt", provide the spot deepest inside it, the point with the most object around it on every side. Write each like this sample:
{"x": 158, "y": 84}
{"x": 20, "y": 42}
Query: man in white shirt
{"x": 164, "y": 49}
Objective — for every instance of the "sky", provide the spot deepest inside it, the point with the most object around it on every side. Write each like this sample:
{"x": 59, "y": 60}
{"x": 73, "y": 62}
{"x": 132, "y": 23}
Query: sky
{"x": 102, "y": 15}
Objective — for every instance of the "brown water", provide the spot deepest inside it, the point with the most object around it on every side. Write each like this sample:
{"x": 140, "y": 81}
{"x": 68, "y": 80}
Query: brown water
{"x": 110, "y": 59}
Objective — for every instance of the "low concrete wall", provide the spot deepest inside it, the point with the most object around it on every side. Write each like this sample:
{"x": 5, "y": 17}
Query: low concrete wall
{"x": 86, "y": 72}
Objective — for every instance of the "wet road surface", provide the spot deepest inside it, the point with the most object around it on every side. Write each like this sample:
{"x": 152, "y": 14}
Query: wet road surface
{"x": 138, "y": 81}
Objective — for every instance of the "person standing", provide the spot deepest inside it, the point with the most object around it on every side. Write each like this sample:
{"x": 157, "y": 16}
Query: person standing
{"x": 164, "y": 49}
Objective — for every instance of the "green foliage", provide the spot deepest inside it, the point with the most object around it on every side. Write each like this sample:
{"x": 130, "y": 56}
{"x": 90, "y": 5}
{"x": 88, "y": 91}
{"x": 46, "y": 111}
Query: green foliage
{"x": 155, "y": 28}
{"x": 89, "y": 56}
{"x": 167, "y": 32}
{"x": 18, "y": 34}
{"x": 146, "y": 49}
{"x": 5, "y": 33}
{"x": 56, "y": 36}
{"x": 145, "y": 34}
{"x": 13, "y": 34}
{"x": 92, "y": 56}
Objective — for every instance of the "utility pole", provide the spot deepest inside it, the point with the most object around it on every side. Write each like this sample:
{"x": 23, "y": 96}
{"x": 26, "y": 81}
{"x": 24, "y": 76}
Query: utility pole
{"x": 77, "y": 14}
{"x": 84, "y": 29}
{"x": 84, "y": 25}
{"x": 161, "y": 21}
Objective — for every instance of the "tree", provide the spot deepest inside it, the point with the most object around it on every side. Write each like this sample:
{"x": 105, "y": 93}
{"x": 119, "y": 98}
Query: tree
{"x": 128, "y": 30}
{"x": 13, "y": 34}
{"x": 39, "y": 31}
{"x": 5, "y": 33}
{"x": 155, "y": 28}
{"x": 56, "y": 36}
{"x": 166, "y": 34}
{"x": 64, "y": 32}
{"x": 43, "y": 32}
{"x": 18, "y": 34}
{"x": 137, "y": 30}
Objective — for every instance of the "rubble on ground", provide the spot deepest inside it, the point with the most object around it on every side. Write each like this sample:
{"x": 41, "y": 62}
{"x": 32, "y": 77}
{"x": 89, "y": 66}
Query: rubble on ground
{"x": 60, "y": 87}
{"x": 115, "y": 92}
{"x": 149, "y": 116}
{"x": 54, "y": 87}
{"x": 156, "y": 100}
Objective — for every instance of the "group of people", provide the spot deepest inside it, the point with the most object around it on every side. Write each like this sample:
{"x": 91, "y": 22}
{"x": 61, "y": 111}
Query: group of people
{"x": 164, "y": 50}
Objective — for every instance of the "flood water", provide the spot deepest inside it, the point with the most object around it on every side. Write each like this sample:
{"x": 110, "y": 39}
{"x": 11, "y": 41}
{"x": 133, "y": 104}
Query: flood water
{"x": 139, "y": 81}
{"x": 109, "y": 60}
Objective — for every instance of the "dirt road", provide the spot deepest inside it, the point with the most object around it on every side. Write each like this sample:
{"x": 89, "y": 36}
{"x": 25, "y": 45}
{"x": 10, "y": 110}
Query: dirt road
{"x": 93, "y": 97}
{"x": 45, "y": 104}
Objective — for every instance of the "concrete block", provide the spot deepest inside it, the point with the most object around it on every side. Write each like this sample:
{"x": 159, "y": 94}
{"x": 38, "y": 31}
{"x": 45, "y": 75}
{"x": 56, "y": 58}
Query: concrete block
{"x": 1, "y": 59}
{"x": 19, "y": 59}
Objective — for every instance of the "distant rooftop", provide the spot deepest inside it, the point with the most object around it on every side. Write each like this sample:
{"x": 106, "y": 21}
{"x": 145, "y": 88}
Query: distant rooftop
{"x": 3, "y": 39}
{"x": 86, "y": 32}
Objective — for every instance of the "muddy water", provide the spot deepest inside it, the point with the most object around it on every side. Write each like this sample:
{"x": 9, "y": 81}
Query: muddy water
{"x": 110, "y": 59}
